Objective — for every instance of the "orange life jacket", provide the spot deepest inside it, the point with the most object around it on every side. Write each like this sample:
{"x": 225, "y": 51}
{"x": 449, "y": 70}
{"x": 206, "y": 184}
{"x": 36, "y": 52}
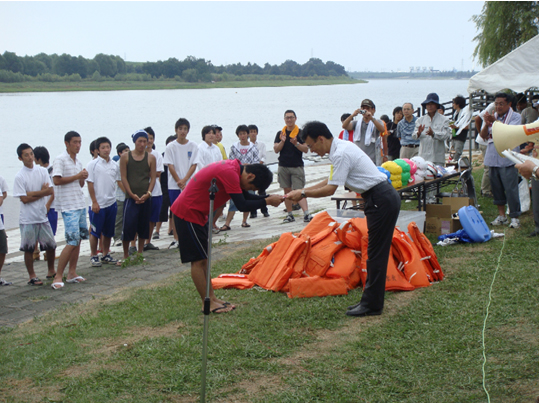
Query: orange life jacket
{"x": 395, "y": 280}
{"x": 427, "y": 252}
{"x": 409, "y": 260}
{"x": 346, "y": 265}
{"x": 250, "y": 265}
{"x": 274, "y": 272}
{"x": 239, "y": 281}
{"x": 316, "y": 286}
{"x": 349, "y": 236}
{"x": 321, "y": 255}
{"x": 320, "y": 226}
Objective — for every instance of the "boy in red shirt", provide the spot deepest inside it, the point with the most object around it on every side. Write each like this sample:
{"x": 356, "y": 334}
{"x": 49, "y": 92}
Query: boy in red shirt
{"x": 191, "y": 210}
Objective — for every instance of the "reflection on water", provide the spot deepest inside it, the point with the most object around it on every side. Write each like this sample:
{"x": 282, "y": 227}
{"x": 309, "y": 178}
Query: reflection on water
{"x": 44, "y": 118}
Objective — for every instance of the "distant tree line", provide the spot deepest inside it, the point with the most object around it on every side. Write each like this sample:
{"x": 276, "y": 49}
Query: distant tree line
{"x": 43, "y": 67}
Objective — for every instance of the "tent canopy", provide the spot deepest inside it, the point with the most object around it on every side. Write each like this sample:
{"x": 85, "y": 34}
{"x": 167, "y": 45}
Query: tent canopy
{"x": 518, "y": 71}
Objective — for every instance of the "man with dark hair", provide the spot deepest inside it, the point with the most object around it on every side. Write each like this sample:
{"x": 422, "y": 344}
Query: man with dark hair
{"x": 432, "y": 130}
{"x": 208, "y": 152}
{"x": 393, "y": 143}
{"x": 347, "y": 135}
{"x": 253, "y": 138}
{"x": 367, "y": 129}
{"x": 405, "y": 129}
{"x": 32, "y": 184}
{"x": 191, "y": 210}
{"x": 137, "y": 169}
{"x": 502, "y": 172}
{"x": 157, "y": 192}
{"x": 354, "y": 169}
{"x": 121, "y": 149}
{"x": 180, "y": 156}
{"x": 218, "y": 138}
{"x": 102, "y": 177}
{"x": 3, "y": 237}
{"x": 42, "y": 157}
{"x": 461, "y": 120}
{"x": 291, "y": 175}
{"x": 69, "y": 177}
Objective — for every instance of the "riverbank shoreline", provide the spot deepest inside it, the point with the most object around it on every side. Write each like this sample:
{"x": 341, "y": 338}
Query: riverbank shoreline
{"x": 39, "y": 86}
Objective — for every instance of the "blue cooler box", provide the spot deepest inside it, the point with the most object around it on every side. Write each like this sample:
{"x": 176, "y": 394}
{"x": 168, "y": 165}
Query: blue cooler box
{"x": 473, "y": 223}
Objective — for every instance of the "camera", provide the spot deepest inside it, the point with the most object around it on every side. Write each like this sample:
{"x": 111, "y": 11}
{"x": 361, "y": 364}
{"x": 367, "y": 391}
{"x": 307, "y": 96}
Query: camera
{"x": 362, "y": 111}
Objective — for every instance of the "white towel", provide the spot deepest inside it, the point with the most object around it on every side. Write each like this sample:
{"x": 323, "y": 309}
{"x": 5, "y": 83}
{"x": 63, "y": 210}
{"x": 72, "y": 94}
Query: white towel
{"x": 368, "y": 133}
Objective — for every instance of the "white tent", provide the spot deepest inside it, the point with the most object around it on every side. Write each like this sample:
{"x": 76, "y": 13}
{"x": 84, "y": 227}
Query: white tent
{"x": 518, "y": 71}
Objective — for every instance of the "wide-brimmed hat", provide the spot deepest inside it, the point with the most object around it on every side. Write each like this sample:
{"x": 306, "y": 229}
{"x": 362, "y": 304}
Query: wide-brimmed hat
{"x": 432, "y": 97}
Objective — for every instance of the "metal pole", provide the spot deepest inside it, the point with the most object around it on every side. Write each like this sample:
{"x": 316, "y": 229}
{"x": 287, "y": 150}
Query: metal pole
{"x": 213, "y": 190}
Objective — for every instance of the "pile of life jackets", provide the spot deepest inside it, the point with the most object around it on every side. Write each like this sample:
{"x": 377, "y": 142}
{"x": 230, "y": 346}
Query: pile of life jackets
{"x": 328, "y": 258}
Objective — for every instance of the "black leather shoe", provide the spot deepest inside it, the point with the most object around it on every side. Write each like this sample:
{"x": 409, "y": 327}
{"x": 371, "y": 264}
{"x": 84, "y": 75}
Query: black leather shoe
{"x": 266, "y": 214}
{"x": 361, "y": 311}
{"x": 534, "y": 233}
{"x": 353, "y": 306}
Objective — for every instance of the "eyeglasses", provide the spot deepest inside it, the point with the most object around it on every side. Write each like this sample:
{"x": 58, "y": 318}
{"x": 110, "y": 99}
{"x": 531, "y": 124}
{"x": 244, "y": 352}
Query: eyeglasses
{"x": 500, "y": 103}
{"x": 289, "y": 117}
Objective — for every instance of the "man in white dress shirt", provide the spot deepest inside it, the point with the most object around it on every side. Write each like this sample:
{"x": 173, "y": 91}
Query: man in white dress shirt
{"x": 354, "y": 169}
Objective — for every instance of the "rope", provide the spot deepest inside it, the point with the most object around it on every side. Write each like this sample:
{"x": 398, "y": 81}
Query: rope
{"x": 486, "y": 317}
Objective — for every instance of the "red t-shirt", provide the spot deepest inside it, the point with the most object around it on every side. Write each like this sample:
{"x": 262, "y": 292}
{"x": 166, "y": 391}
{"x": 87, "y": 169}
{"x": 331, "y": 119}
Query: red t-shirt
{"x": 193, "y": 203}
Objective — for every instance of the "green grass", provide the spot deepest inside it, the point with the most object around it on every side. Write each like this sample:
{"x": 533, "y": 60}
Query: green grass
{"x": 145, "y": 345}
{"x": 37, "y": 86}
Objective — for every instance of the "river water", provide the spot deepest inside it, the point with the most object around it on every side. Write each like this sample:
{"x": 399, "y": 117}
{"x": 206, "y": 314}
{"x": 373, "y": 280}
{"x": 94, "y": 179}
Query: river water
{"x": 42, "y": 119}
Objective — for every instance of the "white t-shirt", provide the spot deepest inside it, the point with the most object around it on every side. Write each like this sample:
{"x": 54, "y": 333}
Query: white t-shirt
{"x": 207, "y": 154}
{"x": 261, "y": 151}
{"x": 70, "y": 196}
{"x": 352, "y": 167}
{"x": 182, "y": 156}
{"x": 103, "y": 175}
{"x": 31, "y": 180}
{"x": 159, "y": 168}
{"x": 4, "y": 188}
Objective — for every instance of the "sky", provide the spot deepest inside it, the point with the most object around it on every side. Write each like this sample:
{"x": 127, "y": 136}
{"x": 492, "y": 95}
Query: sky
{"x": 360, "y": 35}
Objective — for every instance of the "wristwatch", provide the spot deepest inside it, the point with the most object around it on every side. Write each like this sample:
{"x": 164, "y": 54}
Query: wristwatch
{"x": 303, "y": 195}
{"x": 149, "y": 193}
{"x": 534, "y": 172}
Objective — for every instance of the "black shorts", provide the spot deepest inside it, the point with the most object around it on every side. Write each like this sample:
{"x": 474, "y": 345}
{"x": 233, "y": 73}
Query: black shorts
{"x": 193, "y": 240}
{"x": 136, "y": 219}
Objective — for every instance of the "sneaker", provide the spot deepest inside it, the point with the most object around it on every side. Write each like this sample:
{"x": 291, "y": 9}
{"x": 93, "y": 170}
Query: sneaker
{"x": 289, "y": 218}
{"x": 307, "y": 218}
{"x": 95, "y": 261}
{"x": 4, "y": 282}
{"x": 150, "y": 246}
{"x": 515, "y": 223}
{"x": 222, "y": 218}
{"x": 155, "y": 236}
{"x": 108, "y": 259}
{"x": 132, "y": 250}
{"x": 499, "y": 220}
{"x": 174, "y": 244}
{"x": 118, "y": 242}
{"x": 296, "y": 207}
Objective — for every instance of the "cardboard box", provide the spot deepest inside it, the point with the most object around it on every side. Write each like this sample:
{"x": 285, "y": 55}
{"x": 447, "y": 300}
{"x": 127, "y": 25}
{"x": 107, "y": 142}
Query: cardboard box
{"x": 439, "y": 220}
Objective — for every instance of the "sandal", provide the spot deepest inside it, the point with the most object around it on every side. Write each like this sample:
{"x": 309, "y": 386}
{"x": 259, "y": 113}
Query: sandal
{"x": 35, "y": 281}
{"x": 245, "y": 225}
{"x": 225, "y": 228}
{"x": 51, "y": 277}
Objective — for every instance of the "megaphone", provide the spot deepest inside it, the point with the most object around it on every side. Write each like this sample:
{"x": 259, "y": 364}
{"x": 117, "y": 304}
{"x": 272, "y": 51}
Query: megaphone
{"x": 509, "y": 136}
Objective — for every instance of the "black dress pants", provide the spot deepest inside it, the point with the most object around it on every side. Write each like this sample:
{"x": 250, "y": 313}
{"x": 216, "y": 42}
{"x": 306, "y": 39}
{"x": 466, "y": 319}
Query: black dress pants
{"x": 382, "y": 206}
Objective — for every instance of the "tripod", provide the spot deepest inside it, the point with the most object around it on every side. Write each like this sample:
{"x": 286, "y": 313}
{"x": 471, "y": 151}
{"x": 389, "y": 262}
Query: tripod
{"x": 213, "y": 190}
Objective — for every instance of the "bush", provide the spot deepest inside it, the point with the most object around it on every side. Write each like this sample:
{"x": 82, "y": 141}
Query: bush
{"x": 49, "y": 78}
{"x": 74, "y": 77}
{"x": 7, "y": 76}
